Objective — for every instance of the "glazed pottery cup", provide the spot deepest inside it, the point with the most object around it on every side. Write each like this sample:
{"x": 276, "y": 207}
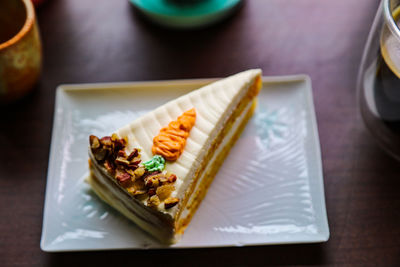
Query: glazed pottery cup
{"x": 20, "y": 49}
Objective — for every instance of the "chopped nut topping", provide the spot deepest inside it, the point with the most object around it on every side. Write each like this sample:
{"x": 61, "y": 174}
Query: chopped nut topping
{"x": 163, "y": 179}
{"x": 170, "y": 202}
{"x": 106, "y": 141}
{"x": 139, "y": 172}
{"x": 100, "y": 154}
{"x": 134, "y": 165}
{"x": 164, "y": 191}
{"x": 122, "y": 161}
{"x": 153, "y": 201}
{"x": 121, "y": 154}
{"x": 94, "y": 142}
{"x": 132, "y": 190}
{"x": 151, "y": 192}
{"x": 152, "y": 181}
{"x": 120, "y": 144}
{"x": 110, "y": 166}
{"x": 132, "y": 174}
{"x": 154, "y": 186}
{"x": 139, "y": 185}
{"x": 172, "y": 178}
{"x": 123, "y": 177}
{"x": 133, "y": 154}
{"x": 139, "y": 192}
{"x": 114, "y": 137}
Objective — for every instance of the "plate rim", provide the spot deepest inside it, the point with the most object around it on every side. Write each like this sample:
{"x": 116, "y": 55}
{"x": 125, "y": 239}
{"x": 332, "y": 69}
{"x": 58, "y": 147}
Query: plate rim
{"x": 320, "y": 237}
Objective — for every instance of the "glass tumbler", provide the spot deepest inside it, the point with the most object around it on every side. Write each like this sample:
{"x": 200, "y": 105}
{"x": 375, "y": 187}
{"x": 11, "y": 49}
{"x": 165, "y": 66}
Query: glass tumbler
{"x": 379, "y": 78}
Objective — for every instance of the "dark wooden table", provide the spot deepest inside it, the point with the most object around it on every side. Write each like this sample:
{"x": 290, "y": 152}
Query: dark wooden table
{"x": 106, "y": 41}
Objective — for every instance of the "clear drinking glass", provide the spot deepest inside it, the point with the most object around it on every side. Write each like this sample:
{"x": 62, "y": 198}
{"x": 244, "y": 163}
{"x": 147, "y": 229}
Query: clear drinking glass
{"x": 379, "y": 78}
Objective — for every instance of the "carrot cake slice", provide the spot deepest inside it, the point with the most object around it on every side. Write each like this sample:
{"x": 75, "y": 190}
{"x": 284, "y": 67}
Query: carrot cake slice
{"x": 157, "y": 169}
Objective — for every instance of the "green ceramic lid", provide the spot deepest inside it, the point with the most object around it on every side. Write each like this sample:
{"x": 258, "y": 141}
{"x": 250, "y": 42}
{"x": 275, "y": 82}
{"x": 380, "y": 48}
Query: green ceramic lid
{"x": 186, "y": 13}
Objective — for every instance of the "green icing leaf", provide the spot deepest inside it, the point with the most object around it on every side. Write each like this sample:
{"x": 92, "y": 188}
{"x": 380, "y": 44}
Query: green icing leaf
{"x": 157, "y": 163}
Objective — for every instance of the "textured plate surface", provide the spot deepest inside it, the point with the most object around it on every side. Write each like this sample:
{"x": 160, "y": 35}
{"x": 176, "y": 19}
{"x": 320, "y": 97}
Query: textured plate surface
{"x": 268, "y": 191}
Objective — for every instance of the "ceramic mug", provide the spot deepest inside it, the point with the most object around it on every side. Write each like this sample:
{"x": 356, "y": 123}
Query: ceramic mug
{"x": 20, "y": 49}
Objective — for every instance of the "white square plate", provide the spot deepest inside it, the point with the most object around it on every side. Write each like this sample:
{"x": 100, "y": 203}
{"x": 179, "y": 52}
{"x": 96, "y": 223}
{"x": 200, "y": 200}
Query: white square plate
{"x": 268, "y": 191}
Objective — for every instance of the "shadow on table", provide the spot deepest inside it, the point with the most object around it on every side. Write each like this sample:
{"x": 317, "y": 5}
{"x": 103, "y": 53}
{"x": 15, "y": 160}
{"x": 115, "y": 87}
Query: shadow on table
{"x": 363, "y": 204}
{"x": 190, "y": 53}
{"x": 142, "y": 18}
{"x": 263, "y": 255}
{"x": 24, "y": 131}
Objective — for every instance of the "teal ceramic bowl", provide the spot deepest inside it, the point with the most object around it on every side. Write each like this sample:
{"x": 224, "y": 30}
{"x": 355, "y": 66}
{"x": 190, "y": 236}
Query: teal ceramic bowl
{"x": 186, "y": 14}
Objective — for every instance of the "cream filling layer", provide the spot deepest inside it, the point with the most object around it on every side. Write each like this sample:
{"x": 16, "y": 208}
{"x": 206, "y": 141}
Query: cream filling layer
{"x": 184, "y": 183}
{"x": 220, "y": 148}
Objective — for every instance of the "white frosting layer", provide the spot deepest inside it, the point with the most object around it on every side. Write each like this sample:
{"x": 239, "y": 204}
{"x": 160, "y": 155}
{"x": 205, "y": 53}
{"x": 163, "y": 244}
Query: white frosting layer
{"x": 213, "y": 103}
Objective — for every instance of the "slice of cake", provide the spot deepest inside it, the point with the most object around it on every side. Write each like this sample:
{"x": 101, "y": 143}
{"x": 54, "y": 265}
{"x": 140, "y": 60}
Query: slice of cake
{"x": 156, "y": 170}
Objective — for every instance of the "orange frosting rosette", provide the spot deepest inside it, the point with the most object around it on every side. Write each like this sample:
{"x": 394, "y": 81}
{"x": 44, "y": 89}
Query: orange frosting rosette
{"x": 171, "y": 140}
